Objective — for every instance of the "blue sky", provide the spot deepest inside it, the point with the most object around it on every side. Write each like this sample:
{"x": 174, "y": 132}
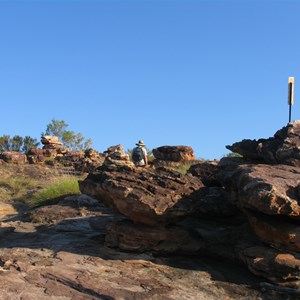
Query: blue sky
{"x": 200, "y": 73}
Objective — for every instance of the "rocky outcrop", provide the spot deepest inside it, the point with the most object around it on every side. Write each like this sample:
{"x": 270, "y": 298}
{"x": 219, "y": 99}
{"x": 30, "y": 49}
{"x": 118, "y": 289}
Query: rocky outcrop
{"x": 235, "y": 209}
{"x": 272, "y": 190}
{"x": 268, "y": 195}
{"x": 54, "y": 154}
{"x": 174, "y": 153}
{"x": 283, "y": 148}
{"x": 144, "y": 195}
{"x": 81, "y": 161}
{"x": 167, "y": 212}
{"x": 13, "y": 157}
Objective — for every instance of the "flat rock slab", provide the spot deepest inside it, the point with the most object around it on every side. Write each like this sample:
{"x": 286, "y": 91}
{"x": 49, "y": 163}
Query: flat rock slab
{"x": 67, "y": 259}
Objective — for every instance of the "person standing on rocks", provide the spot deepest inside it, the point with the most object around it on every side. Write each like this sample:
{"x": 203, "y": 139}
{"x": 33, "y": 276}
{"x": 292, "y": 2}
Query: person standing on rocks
{"x": 139, "y": 154}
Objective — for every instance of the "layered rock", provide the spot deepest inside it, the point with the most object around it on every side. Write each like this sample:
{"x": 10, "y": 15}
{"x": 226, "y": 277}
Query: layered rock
{"x": 239, "y": 209}
{"x": 174, "y": 153}
{"x": 268, "y": 195}
{"x": 53, "y": 153}
{"x": 283, "y": 148}
{"x": 272, "y": 190}
{"x": 280, "y": 268}
{"x": 144, "y": 195}
{"x": 51, "y": 142}
{"x": 167, "y": 212}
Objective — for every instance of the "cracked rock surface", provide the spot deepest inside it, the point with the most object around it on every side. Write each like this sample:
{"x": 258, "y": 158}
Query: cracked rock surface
{"x": 64, "y": 257}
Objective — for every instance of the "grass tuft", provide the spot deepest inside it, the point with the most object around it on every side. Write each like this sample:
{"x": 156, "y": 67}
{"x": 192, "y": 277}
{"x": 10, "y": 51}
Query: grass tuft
{"x": 58, "y": 188}
{"x": 183, "y": 167}
{"x": 13, "y": 187}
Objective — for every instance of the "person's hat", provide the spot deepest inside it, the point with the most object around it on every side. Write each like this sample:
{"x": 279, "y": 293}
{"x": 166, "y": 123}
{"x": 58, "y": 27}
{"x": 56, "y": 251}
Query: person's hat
{"x": 140, "y": 143}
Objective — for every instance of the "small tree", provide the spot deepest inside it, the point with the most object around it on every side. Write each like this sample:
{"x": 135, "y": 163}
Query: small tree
{"x": 16, "y": 143}
{"x": 4, "y": 143}
{"x": 70, "y": 139}
{"x": 29, "y": 143}
{"x": 56, "y": 128}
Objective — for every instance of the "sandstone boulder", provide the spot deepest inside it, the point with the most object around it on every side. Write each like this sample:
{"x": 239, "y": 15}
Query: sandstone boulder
{"x": 279, "y": 267}
{"x": 283, "y": 148}
{"x": 50, "y": 140}
{"x": 174, "y": 153}
{"x": 13, "y": 157}
{"x": 272, "y": 190}
{"x": 143, "y": 195}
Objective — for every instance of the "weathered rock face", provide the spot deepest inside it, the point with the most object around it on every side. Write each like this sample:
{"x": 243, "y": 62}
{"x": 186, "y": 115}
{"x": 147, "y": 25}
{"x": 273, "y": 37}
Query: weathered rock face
{"x": 51, "y": 142}
{"x": 283, "y": 148}
{"x": 272, "y": 190}
{"x": 269, "y": 196}
{"x": 278, "y": 267}
{"x": 143, "y": 195}
{"x": 116, "y": 158}
{"x": 246, "y": 210}
{"x": 67, "y": 259}
{"x": 174, "y": 153}
{"x": 13, "y": 157}
{"x": 275, "y": 231}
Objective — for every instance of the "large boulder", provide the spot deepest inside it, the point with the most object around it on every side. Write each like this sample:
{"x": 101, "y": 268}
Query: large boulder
{"x": 13, "y": 157}
{"x": 272, "y": 190}
{"x": 51, "y": 141}
{"x": 283, "y": 148}
{"x": 144, "y": 195}
{"x": 174, "y": 153}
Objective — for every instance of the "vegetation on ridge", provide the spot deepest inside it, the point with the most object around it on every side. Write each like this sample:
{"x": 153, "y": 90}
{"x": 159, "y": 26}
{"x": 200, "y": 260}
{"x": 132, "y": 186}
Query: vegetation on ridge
{"x": 35, "y": 185}
{"x": 70, "y": 139}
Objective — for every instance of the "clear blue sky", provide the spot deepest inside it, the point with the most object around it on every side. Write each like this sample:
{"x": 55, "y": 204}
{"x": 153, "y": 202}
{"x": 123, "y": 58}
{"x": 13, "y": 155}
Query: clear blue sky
{"x": 200, "y": 73}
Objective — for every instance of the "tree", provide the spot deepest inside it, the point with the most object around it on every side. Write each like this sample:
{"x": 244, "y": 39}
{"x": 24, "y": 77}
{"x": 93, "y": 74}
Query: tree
{"x": 4, "y": 143}
{"x": 56, "y": 128}
{"x": 28, "y": 143}
{"x": 70, "y": 139}
{"x": 16, "y": 143}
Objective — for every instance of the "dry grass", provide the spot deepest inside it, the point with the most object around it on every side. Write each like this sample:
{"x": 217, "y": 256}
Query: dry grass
{"x": 34, "y": 184}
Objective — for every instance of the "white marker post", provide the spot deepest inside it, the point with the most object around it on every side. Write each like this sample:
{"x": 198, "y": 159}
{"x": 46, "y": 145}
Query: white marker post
{"x": 290, "y": 95}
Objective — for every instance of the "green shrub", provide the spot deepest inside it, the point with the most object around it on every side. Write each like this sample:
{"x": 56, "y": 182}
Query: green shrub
{"x": 57, "y": 189}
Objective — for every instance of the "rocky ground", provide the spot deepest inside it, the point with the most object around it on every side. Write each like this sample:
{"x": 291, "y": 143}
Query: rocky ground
{"x": 58, "y": 252}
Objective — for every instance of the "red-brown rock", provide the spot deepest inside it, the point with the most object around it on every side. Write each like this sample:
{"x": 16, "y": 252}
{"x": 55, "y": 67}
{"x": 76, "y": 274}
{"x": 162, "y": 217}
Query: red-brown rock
{"x": 174, "y": 153}
{"x": 283, "y": 148}
{"x": 279, "y": 267}
{"x": 14, "y": 157}
{"x": 277, "y": 232}
{"x": 272, "y": 190}
{"x": 143, "y": 195}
